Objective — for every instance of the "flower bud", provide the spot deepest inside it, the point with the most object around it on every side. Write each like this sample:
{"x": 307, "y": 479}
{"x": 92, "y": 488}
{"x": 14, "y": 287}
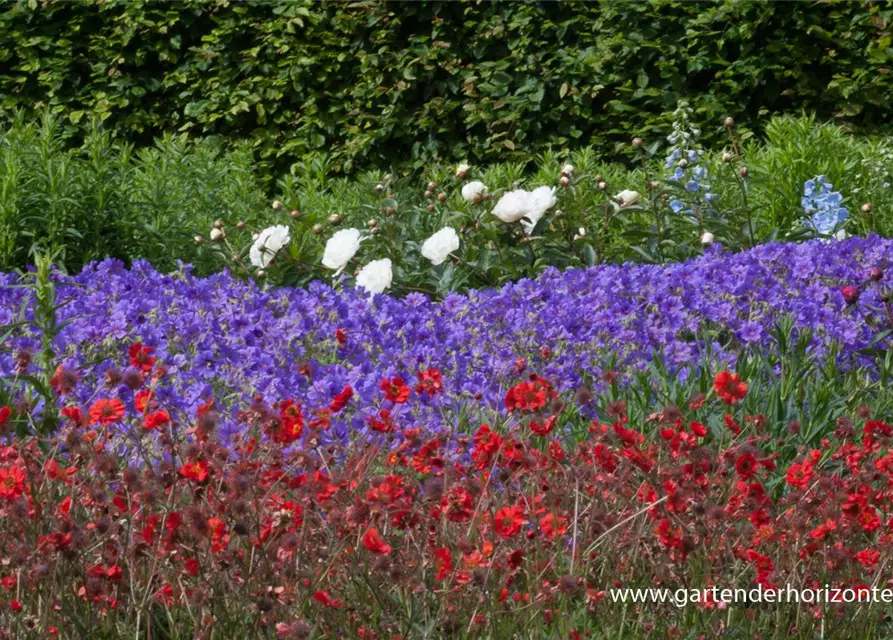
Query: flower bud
{"x": 372, "y": 223}
{"x": 638, "y": 143}
{"x": 707, "y": 238}
{"x": 462, "y": 170}
{"x": 217, "y": 235}
{"x": 335, "y": 218}
{"x": 682, "y": 163}
{"x": 261, "y": 273}
{"x": 429, "y": 194}
{"x": 218, "y": 224}
{"x": 729, "y": 122}
{"x": 602, "y": 185}
{"x": 277, "y": 205}
{"x": 432, "y": 186}
{"x": 317, "y": 228}
{"x": 850, "y": 294}
{"x": 431, "y": 207}
{"x": 564, "y": 181}
{"x": 379, "y": 187}
{"x": 295, "y": 213}
{"x": 390, "y": 211}
{"x": 567, "y": 170}
{"x": 742, "y": 172}
{"x": 441, "y": 197}
{"x": 240, "y": 225}
{"x": 199, "y": 240}
{"x": 726, "y": 156}
{"x": 876, "y": 274}
{"x": 866, "y": 208}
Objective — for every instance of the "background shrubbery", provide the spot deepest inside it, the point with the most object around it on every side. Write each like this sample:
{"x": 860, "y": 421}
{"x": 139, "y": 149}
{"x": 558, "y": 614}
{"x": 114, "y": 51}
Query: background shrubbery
{"x": 373, "y": 83}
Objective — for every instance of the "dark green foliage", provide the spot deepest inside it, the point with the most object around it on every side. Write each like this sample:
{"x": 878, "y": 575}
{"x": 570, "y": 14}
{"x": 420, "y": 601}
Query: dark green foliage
{"x": 377, "y": 84}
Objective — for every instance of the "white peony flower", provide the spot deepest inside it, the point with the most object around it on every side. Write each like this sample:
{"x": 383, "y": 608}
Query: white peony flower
{"x": 462, "y": 169}
{"x": 267, "y": 245}
{"x": 376, "y": 276}
{"x": 532, "y": 205}
{"x": 627, "y": 197}
{"x": 340, "y": 248}
{"x": 474, "y": 191}
{"x": 217, "y": 234}
{"x": 707, "y": 238}
{"x": 440, "y": 245}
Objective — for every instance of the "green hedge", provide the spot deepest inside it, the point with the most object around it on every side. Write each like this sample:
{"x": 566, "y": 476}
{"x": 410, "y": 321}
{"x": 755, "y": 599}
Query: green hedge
{"x": 375, "y": 83}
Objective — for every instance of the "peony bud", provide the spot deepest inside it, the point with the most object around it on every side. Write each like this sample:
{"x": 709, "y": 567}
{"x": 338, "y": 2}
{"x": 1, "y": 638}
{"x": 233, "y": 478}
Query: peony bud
{"x": 729, "y": 122}
{"x": 261, "y": 273}
{"x": 742, "y": 172}
{"x": 335, "y": 218}
{"x": 682, "y": 164}
{"x": 876, "y": 274}
{"x": 217, "y": 235}
{"x": 218, "y": 224}
{"x": 441, "y": 197}
{"x": 431, "y": 207}
{"x": 564, "y": 181}
{"x": 850, "y": 294}
{"x": 462, "y": 170}
{"x": 429, "y": 194}
{"x": 866, "y": 208}
{"x": 390, "y": 211}
{"x": 277, "y": 205}
{"x": 638, "y": 143}
{"x": 726, "y": 156}
{"x": 432, "y": 186}
{"x": 567, "y": 170}
{"x": 317, "y": 228}
{"x": 707, "y": 238}
{"x": 199, "y": 240}
{"x": 372, "y": 223}
{"x": 379, "y": 187}
{"x": 240, "y": 225}
{"x": 295, "y": 214}
{"x": 602, "y": 185}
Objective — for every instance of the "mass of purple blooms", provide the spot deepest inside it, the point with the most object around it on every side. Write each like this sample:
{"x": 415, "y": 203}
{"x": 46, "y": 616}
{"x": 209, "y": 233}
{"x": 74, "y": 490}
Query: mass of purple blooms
{"x": 241, "y": 343}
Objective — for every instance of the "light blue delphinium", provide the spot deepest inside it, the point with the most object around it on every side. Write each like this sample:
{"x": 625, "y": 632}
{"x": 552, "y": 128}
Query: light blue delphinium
{"x": 822, "y": 206}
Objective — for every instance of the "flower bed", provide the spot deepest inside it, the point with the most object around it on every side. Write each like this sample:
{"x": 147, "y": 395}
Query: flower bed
{"x": 228, "y": 339}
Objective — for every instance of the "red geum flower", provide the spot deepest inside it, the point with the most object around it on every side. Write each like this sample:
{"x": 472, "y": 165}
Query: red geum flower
{"x": 383, "y": 423}
{"x": 508, "y": 520}
{"x": 530, "y": 395}
{"x": 552, "y": 525}
{"x": 430, "y": 382}
{"x": 850, "y": 294}
{"x": 156, "y": 419}
{"x": 746, "y": 465}
{"x": 12, "y": 482}
{"x": 106, "y": 411}
{"x": 5, "y": 413}
{"x": 799, "y": 474}
{"x": 729, "y": 387}
{"x": 340, "y": 401}
{"x": 64, "y": 380}
{"x": 543, "y": 428}
{"x": 144, "y": 400}
{"x": 191, "y": 566}
{"x": 340, "y": 336}
{"x": 74, "y": 414}
{"x": 868, "y": 557}
{"x": 698, "y": 429}
{"x": 140, "y": 356}
{"x": 443, "y": 562}
{"x": 373, "y": 541}
{"x": 291, "y": 423}
{"x": 324, "y": 598}
{"x": 196, "y": 470}
{"x": 395, "y": 389}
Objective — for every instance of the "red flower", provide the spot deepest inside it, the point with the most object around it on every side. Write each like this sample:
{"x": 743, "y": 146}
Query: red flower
{"x": 799, "y": 475}
{"x": 191, "y": 567}
{"x": 698, "y": 429}
{"x": 729, "y": 387}
{"x": 552, "y": 525}
{"x": 196, "y": 470}
{"x": 429, "y": 381}
{"x": 528, "y": 396}
{"x": 106, "y": 411}
{"x": 543, "y": 428}
{"x": 443, "y": 562}
{"x": 143, "y": 400}
{"x": 850, "y": 294}
{"x": 746, "y": 465}
{"x": 291, "y": 423}
{"x": 340, "y": 335}
{"x": 373, "y": 541}
{"x": 5, "y": 413}
{"x": 508, "y": 521}
{"x": 395, "y": 389}
{"x": 12, "y": 482}
{"x": 383, "y": 423}
{"x": 868, "y": 557}
{"x": 156, "y": 419}
{"x": 140, "y": 356}
{"x": 324, "y": 598}
{"x": 340, "y": 401}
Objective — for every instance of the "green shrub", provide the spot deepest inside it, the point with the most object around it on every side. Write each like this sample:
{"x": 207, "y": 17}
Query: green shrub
{"x": 379, "y": 84}
{"x": 106, "y": 200}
